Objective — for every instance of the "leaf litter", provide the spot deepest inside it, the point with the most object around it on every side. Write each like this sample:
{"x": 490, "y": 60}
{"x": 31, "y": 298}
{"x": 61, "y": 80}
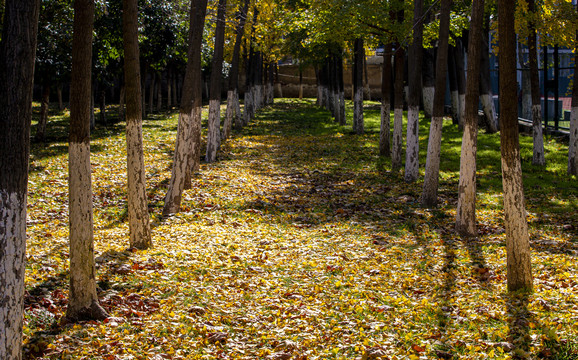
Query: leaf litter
{"x": 295, "y": 245}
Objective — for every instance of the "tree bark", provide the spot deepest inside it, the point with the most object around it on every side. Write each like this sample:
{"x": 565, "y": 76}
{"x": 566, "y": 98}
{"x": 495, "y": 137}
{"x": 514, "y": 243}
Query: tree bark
{"x": 461, "y": 80}
{"x": 397, "y": 140}
{"x": 573, "y": 145}
{"x": 486, "y": 95}
{"x": 83, "y": 300}
{"x": 214, "y": 132}
{"x": 429, "y": 82}
{"x": 17, "y": 55}
{"x": 359, "y": 55}
{"x": 233, "y": 107}
{"x": 122, "y": 102}
{"x": 138, "y": 215}
{"x": 43, "y": 121}
{"x": 432, "y": 168}
{"x": 538, "y": 157}
{"x": 453, "y": 82}
{"x": 415, "y": 67}
{"x": 187, "y": 147}
{"x": 466, "y": 211}
{"x": 519, "y": 269}
{"x": 386, "y": 77}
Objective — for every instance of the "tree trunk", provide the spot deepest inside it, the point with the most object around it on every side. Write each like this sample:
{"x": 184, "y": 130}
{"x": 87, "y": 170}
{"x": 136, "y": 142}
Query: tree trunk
{"x": 397, "y": 140}
{"x": 415, "y": 66}
{"x": 359, "y": 55}
{"x": 429, "y": 82}
{"x": 486, "y": 95}
{"x": 169, "y": 89}
{"x": 573, "y": 145}
{"x": 102, "y": 106}
{"x": 538, "y": 157}
{"x": 122, "y": 101}
{"x": 233, "y": 107}
{"x": 466, "y": 211}
{"x": 152, "y": 92}
{"x": 138, "y": 215}
{"x": 92, "y": 117}
{"x": 160, "y": 91}
{"x": 461, "y": 80}
{"x": 17, "y": 55}
{"x": 59, "y": 95}
{"x": 384, "y": 130}
{"x": 214, "y": 134}
{"x": 432, "y": 169}
{"x": 187, "y": 146}
{"x": 526, "y": 85}
{"x": 517, "y": 240}
{"x": 341, "y": 89}
{"x": 83, "y": 300}
{"x": 366, "y": 87}
{"x": 453, "y": 82}
{"x": 43, "y": 121}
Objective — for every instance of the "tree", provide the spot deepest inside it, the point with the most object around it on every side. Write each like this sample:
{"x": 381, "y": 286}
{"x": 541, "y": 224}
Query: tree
{"x": 573, "y": 147}
{"x": 538, "y": 157}
{"x": 17, "y": 54}
{"x": 519, "y": 270}
{"x": 214, "y": 135}
{"x": 466, "y": 211}
{"x": 187, "y": 147}
{"x": 486, "y": 96}
{"x": 386, "y": 78}
{"x": 138, "y": 216}
{"x": 432, "y": 169}
{"x": 233, "y": 108}
{"x": 397, "y": 139}
{"x": 415, "y": 64}
{"x": 358, "y": 59}
{"x": 83, "y": 300}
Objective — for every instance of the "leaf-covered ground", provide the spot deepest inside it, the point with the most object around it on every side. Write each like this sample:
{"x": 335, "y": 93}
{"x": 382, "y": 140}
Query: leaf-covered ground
{"x": 300, "y": 243}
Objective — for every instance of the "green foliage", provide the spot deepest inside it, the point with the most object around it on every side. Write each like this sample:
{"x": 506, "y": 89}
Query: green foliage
{"x": 54, "y": 41}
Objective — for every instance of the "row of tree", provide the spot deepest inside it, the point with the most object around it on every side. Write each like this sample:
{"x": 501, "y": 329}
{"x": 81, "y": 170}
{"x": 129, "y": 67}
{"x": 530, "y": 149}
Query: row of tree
{"x": 321, "y": 33}
{"x": 18, "y": 55}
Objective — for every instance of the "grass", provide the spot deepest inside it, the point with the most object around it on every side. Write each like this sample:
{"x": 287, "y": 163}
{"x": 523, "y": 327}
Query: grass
{"x": 302, "y": 242}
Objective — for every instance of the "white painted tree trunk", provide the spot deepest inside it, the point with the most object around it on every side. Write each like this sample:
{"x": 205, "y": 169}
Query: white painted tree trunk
{"x": 237, "y": 107}
{"x": 397, "y": 140}
{"x": 229, "y": 115}
{"x": 83, "y": 300}
{"x": 432, "y": 165}
{"x": 248, "y": 109}
{"x": 12, "y": 256}
{"x": 181, "y": 163}
{"x": 428, "y": 99}
{"x": 538, "y": 157}
{"x": 573, "y": 146}
{"x": 489, "y": 112}
{"x": 270, "y": 94}
{"x": 213, "y": 135}
{"x": 466, "y": 209}
{"x": 358, "y": 111}
{"x": 412, "y": 152}
{"x": 385, "y": 128}
{"x": 526, "y": 95}
{"x": 138, "y": 215}
{"x": 462, "y": 109}
{"x": 319, "y": 96}
{"x": 455, "y": 96}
